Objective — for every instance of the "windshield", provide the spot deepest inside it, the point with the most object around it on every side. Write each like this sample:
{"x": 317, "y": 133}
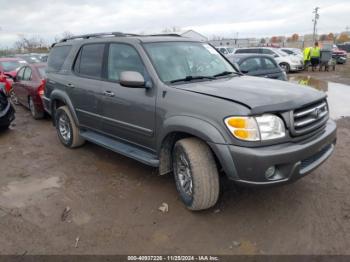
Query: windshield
{"x": 179, "y": 60}
{"x": 9, "y": 66}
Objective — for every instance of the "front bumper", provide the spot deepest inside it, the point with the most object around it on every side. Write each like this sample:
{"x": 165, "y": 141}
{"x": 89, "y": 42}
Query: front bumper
{"x": 296, "y": 67}
{"x": 292, "y": 160}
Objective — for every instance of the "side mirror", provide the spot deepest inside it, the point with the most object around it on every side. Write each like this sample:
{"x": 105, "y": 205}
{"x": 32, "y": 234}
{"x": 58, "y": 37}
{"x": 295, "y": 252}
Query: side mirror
{"x": 275, "y": 55}
{"x": 131, "y": 79}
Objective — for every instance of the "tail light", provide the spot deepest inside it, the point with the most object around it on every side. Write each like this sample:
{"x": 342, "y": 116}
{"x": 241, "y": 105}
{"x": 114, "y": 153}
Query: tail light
{"x": 41, "y": 88}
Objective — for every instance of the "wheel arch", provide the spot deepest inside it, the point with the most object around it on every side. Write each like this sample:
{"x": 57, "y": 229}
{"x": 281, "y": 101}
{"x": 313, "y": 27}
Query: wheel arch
{"x": 179, "y": 127}
{"x": 59, "y": 98}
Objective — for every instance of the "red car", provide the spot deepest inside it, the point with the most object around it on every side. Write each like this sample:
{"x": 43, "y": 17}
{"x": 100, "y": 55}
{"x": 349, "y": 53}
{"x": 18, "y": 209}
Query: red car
{"x": 6, "y": 81}
{"x": 28, "y": 88}
{"x": 8, "y": 68}
{"x": 10, "y": 65}
{"x": 339, "y": 55}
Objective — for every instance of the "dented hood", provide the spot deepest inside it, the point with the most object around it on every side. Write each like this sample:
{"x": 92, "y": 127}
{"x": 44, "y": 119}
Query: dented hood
{"x": 259, "y": 94}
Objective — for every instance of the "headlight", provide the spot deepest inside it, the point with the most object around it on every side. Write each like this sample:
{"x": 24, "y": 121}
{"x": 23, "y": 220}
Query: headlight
{"x": 257, "y": 128}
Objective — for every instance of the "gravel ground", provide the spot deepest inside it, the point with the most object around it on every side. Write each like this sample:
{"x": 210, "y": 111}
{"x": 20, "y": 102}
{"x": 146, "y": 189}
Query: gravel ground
{"x": 112, "y": 203}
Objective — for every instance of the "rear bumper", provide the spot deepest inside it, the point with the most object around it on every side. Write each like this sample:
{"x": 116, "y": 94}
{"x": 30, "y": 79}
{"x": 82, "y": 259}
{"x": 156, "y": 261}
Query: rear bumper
{"x": 292, "y": 160}
{"x": 46, "y": 104}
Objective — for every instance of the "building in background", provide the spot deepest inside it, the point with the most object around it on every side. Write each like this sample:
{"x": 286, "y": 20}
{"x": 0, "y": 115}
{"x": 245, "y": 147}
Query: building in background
{"x": 192, "y": 34}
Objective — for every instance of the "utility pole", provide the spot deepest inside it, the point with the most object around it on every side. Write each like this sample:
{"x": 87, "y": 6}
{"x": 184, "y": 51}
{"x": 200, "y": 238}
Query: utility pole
{"x": 317, "y": 16}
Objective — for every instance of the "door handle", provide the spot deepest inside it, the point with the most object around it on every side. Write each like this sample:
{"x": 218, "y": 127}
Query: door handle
{"x": 108, "y": 93}
{"x": 70, "y": 85}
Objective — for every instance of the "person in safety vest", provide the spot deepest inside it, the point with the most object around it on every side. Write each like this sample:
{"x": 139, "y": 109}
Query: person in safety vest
{"x": 315, "y": 56}
{"x": 306, "y": 56}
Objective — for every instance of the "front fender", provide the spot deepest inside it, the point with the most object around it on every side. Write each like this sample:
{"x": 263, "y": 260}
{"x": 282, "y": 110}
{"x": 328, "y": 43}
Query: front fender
{"x": 193, "y": 126}
{"x": 204, "y": 131}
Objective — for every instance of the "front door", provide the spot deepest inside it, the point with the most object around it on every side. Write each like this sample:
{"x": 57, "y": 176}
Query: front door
{"x": 128, "y": 113}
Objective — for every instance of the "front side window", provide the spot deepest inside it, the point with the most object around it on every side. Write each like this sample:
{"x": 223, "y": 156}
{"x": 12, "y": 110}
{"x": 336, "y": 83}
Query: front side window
{"x": 121, "y": 58}
{"x": 90, "y": 60}
{"x": 178, "y": 60}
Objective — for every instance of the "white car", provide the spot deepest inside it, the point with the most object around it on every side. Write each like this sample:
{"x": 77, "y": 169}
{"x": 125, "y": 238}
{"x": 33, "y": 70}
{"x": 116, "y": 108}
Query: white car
{"x": 293, "y": 51}
{"x": 289, "y": 63}
{"x": 225, "y": 50}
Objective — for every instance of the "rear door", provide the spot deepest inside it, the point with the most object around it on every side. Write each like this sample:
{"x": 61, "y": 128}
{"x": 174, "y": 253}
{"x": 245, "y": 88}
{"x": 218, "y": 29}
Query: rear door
{"x": 86, "y": 85}
{"x": 128, "y": 113}
{"x": 23, "y": 86}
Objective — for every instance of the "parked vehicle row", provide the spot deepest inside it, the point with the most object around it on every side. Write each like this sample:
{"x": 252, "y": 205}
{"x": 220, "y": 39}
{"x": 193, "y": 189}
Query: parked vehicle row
{"x": 289, "y": 59}
{"x": 179, "y": 105}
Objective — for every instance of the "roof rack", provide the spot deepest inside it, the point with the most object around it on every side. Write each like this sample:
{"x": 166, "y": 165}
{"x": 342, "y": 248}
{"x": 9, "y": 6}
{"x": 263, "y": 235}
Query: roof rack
{"x": 87, "y": 36}
{"x": 177, "y": 35}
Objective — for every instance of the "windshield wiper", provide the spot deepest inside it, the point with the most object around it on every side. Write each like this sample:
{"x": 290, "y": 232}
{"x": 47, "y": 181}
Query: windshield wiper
{"x": 191, "y": 78}
{"x": 225, "y": 73}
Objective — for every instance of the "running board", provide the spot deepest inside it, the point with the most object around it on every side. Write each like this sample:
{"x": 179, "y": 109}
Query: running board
{"x": 123, "y": 148}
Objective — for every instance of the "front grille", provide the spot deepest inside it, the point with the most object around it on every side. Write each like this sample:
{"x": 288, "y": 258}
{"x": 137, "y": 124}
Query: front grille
{"x": 307, "y": 162}
{"x": 309, "y": 118}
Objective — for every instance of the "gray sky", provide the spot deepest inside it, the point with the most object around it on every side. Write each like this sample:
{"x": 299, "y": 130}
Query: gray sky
{"x": 226, "y": 18}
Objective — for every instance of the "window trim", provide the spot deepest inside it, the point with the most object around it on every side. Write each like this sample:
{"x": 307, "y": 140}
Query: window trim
{"x": 104, "y": 74}
{"x": 24, "y": 68}
{"x": 78, "y": 56}
{"x": 31, "y": 73}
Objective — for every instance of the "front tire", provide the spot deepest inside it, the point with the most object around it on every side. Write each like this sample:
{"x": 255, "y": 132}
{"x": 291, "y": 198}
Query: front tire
{"x": 285, "y": 67}
{"x": 196, "y": 174}
{"x": 67, "y": 130}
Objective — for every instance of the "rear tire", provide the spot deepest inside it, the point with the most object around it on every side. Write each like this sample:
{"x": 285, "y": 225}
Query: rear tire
{"x": 196, "y": 174}
{"x": 13, "y": 97}
{"x": 67, "y": 130}
{"x": 36, "y": 114}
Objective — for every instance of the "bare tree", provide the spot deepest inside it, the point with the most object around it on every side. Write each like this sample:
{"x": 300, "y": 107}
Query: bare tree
{"x": 30, "y": 44}
{"x": 171, "y": 29}
{"x": 65, "y": 34}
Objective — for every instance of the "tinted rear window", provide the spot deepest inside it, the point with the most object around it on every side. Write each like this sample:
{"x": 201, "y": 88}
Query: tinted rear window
{"x": 90, "y": 60}
{"x": 57, "y": 57}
